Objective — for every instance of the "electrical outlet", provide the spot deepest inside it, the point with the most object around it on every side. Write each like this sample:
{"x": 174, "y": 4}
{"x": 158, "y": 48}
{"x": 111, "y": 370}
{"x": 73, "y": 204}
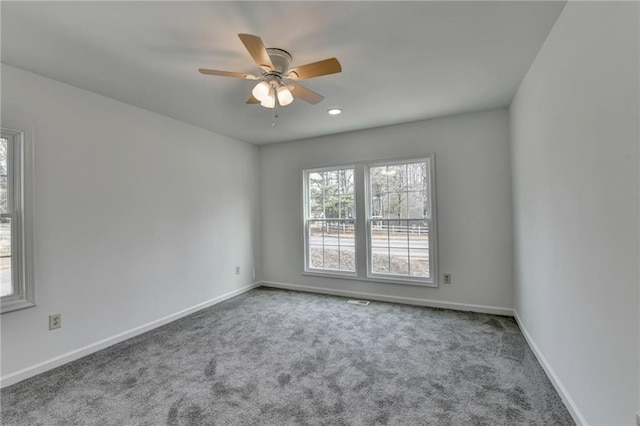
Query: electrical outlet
{"x": 55, "y": 321}
{"x": 446, "y": 278}
{"x": 237, "y": 270}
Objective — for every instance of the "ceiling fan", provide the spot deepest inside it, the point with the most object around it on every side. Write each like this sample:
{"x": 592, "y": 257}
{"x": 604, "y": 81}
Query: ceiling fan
{"x": 277, "y": 84}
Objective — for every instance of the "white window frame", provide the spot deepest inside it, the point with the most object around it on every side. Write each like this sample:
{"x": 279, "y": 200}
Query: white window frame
{"x": 433, "y": 272}
{"x": 306, "y": 220}
{"x": 19, "y": 193}
{"x": 362, "y": 224}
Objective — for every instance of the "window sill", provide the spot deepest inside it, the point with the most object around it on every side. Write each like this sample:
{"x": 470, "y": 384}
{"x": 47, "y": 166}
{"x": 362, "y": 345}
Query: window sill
{"x": 15, "y": 305}
{"x": 372, "y": 279}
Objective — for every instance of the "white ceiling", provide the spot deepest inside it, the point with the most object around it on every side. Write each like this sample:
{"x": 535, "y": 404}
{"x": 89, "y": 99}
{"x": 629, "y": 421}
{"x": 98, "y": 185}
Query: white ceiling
{"x": 402, "y": 61}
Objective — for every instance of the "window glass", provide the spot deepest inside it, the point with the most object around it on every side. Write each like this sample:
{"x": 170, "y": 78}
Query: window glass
{"x": 4, "y": 152}
{"x": 400, "y": 209}
{"x": 330, "y": 224}
{"x": 6, "y": 285}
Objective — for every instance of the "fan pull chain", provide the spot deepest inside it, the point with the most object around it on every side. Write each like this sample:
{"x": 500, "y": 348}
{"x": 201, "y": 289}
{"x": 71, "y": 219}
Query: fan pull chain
{"x": 275, "y": 110}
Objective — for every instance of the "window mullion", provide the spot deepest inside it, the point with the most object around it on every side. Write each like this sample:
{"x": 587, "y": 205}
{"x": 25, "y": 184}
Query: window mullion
{"x": 360, "y": 216}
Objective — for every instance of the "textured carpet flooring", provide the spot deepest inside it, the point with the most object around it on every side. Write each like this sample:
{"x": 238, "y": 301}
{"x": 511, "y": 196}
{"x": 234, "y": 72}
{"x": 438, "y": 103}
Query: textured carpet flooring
{"x": 277, "y": 357}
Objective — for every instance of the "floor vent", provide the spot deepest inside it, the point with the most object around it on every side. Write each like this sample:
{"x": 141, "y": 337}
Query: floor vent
{"x": 359, "y": 302}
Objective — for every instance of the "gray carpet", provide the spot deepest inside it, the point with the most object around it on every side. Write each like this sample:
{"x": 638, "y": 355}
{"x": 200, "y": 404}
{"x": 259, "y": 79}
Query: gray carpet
{"x": 276, "y": 357}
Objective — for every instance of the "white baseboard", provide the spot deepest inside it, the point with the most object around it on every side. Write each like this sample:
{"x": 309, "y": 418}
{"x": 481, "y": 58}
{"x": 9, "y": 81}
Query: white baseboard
{"x": 555, "y": 381}
{"x": 34, "y": 370}
{"x": 395, "y": 299}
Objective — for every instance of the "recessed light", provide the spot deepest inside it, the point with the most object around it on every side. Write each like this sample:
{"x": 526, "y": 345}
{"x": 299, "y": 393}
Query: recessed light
{"x": 334, "y": 111}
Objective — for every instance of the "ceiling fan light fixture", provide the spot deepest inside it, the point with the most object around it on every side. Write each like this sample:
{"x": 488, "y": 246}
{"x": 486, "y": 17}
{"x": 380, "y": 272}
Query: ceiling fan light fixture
{"x": 269, "y": 101}
{"x": 261, "y": 91}
{"x": 272, "y": 86}
{"x": 284, "y": 96}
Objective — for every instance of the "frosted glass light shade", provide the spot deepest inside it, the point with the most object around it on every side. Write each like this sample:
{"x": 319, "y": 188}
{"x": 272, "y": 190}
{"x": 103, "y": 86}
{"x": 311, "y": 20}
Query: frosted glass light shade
{"x": 269, "y": 101}
{"x": 284, "y": 96}
{"x": 261, "y": 90}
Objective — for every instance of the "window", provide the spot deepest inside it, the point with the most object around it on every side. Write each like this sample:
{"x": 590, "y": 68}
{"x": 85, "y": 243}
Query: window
{"x": 399, "y": 220}
{"x": 372, "y": 221}
{"x": 330, "y": 220}
{"x": 16, "y": 286}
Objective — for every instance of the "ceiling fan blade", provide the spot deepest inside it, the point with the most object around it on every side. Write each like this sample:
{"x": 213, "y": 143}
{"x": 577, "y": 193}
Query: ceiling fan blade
{"x": 227, "y": 74}
{"x": 305, "y": 94}
{"x": 252, "y": 100}
{"x": 315, "y": 69}
{"x": 256, "y": 49}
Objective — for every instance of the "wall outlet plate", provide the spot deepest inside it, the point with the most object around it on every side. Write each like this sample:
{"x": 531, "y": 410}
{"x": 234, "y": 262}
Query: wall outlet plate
{"x": 446, "y": 278}
{"x": 55, "y": 321}
{"x": 237, "y": 270}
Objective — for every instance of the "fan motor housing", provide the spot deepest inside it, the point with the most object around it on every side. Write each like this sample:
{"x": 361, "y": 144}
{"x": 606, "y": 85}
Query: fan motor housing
{"x": 281, "y": 59}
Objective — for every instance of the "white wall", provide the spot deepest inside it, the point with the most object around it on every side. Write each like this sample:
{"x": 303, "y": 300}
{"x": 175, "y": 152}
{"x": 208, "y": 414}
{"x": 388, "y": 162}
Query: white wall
{"x": 473, "y": 201}
{"x": 137, "y": 217}
{"x": 574, "y": 134}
